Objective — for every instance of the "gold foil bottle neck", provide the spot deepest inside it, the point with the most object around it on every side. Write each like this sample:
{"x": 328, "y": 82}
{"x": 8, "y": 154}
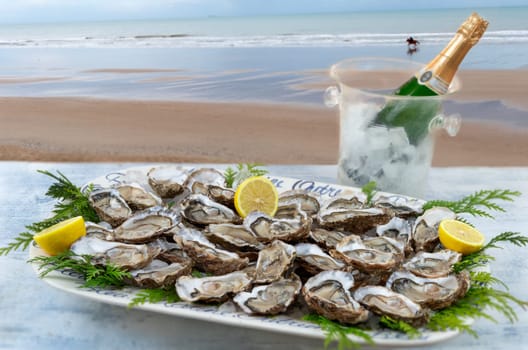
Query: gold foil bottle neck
{"x": 473, "y": 28}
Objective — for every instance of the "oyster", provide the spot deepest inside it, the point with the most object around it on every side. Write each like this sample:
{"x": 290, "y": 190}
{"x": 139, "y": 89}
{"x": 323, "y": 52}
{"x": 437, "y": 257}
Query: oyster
{"x": 306, "y": 201}
{"x": 367, "y": 259}
{"x": 167, "y": 180}
{"x": 350, "y": 215}
{"x": 235, "y": 236}
{"x": 159, "y": 274}
{"x": 204, "y": 176}
{"x": 267, "y": 229}
{"x": 270, "y": 299}
{"x": 137, "y": 197}
{"x": 326, "y": 238}
{"x": 403, "y": 207}
{"x": 170, "y": 252}
{"x": 206, "y": 255}
{"x": 222, "y": 195}
{"x": 98, "y": 231}
{"x": 383, "y": 301}
{"x": 398, "y": 229}
{"x": 212, "y": 289}
{"x": 385, "y": 244}
{"x": 314, "y": 260}
{"x": 125, "y": 256}
{"x": 146, "y": 226}
{"x": 201, "y": 210}
{"x": 425, "y": 230}
{"x": 110, "y": 206}
{"x": 434, "y": 293}
{"x": 274, "y": 261}
{"x": 328, "y": 293}
{"x": 432, "y": 265}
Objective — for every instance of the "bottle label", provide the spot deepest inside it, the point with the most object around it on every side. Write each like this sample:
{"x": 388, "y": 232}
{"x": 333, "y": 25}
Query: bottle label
{"x": 435, "y": 83}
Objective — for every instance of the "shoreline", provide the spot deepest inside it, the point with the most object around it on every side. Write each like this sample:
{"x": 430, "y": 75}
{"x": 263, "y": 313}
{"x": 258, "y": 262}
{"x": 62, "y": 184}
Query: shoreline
{"x": 103, "y": 130}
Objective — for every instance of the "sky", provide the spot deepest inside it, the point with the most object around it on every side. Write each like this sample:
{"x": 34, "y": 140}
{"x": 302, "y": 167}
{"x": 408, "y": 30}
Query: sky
{"x": 31, "y": 11}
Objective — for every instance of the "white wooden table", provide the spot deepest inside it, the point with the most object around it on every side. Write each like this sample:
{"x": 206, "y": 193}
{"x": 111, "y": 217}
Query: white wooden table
{"x": 33, "y": 315}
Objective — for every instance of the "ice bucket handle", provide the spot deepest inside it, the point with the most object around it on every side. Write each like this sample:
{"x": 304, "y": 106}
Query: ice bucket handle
{"x": 331, "y": 96}
{"x": 450, "y": 123}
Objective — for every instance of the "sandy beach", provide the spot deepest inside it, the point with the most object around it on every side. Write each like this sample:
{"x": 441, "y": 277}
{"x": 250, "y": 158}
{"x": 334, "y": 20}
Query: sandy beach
{"x": 91, "y": 129}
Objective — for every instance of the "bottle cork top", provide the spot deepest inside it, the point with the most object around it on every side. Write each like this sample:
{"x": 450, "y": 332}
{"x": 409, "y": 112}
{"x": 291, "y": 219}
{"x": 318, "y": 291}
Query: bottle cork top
{"x": 473, "y": 28}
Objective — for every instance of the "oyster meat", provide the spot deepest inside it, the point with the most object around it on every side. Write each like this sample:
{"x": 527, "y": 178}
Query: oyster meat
{"x": 167, "y": 180}
{"x": 201, "y": 210}
{"x": 398, "y": 229}
{"x": 160, "y": 274}
{"x": 233, "y": 236}
{"x": 212, "y": 289}
{"x": 270, "y": 299}
{"x": 326, "y": 238}
{"x": 432, "y": 265}
{"x": 425, "y": 230}
{"x": 367, "y": 259}
{"x": 383, "y": 301}
{"x": 328, "y": 293}
{"x": 99, "y": 231}
{"x": 267, "y": 229}
{"x": 274, "y": 261}
{"x": 145, "y": 226}
{"x": 434, "y": 293}
{"x": 315, "y": 260}
{"x": 110, "y": 206}
{"x": 137, "y": 197}
{"x": 126, "y": 256}
{"x": 307, "y": 202}
{"x": 207, "y": 256}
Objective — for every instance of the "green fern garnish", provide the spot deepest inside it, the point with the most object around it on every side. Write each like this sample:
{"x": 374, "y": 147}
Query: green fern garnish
{"x": 401, "y": 326}
{"x": 93, "y": 275}
{"x": 72, "y": 202}
{"x": 369, "y": 190}
{"x": 168, "y": 295}
{"x": 337, "y": 332}
{"x": 475, "y": 204}
{"x": 234, "y": 176}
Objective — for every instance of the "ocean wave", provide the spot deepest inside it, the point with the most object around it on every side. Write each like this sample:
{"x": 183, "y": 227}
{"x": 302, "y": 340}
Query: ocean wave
{"x": 279, "y": 40}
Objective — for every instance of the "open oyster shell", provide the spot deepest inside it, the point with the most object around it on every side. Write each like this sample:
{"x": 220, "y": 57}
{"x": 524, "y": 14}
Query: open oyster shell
{"x": 328, "y": 293}
{"x": 110, "y": 206}
{"x": 434, "y": 293}
{"x": 306, "y": 201}
{"x": 425, "y": 230}
{"x": 270, "y": 299}
{"x": 267, "y": 229}
{"x": 274, "y": 261}
{"x": 236, "y": 237}
{"x": 383, "y": 301}
{"x": 433, "y": 265}
{"x": 314, "y": 260}
{"x": 146, "y": 226}
{"x": 137, "y": 197}
{"x": 201, "y": 210}
{"x": 326, "y": 238}
{"x": 167, "y": 180}
{"x": 159, "y": 274}
{"x": 212, "y": 289}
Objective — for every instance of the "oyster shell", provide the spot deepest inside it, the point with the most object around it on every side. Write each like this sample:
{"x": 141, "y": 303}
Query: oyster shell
{"x": 367, "y": 259}
{"x": 403, "y": 207}
{"x": 326, "y": 238}
{"x": 98, "y": 231}
{"x": 274, "y": 261}
{"x": 234, "y": 236}
{"x": 167, "y": 180}
{"x": 314, "y": 260}
{"x": 212, "y": 289}
{"x": 159, "y": 274}
{"x": 425, "y": 230}
{"x": 125, "y": 256}
{"x": 350, "y": 215}
{"x": 145, "y": 226}
{"x": 270, "y": 299}
{"x": 137, "y": 197}
{"x": 434, "y": 293}
{"x": 201, "y": 210}
{"x": 207, "y": 256}
{"x": 432, "y": 265}
{"x": 383, "y": 301}
{"x": 222, "y": 195}
{"x": 110, "y": 206}
{"x": 398, "y": 229}
{"x": 170, "y": 252}
{"x": 306, "y": 201}
{"x": 267, "y": 229}
{"x": 328, "y": 293}
{"x": 204, "y": 176}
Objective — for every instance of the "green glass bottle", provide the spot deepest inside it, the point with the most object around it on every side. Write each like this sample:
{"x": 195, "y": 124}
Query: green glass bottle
{"x": 414, "y": 115}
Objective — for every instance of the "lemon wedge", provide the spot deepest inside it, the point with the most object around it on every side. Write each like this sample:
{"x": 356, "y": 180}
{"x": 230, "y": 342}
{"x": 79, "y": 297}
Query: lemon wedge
{"x": 460, "y": 237}
{"x": 59, "y": 237}
{"x": 256, "y": 193}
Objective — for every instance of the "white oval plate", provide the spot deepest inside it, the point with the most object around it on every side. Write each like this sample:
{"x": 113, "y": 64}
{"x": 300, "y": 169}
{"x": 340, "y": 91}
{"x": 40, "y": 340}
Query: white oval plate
{"x": 71, "y": 282}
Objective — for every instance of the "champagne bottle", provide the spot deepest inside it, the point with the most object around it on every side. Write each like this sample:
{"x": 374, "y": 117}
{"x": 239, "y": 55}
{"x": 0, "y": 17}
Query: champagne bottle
{"x": 414, "y": 115}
